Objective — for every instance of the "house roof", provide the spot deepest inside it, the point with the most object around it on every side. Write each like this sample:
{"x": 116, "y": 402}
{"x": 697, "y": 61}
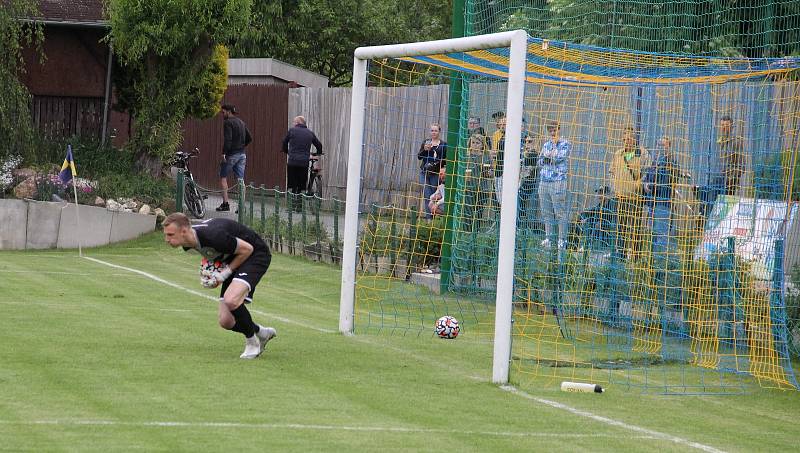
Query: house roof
{"x": 85, "y": 12}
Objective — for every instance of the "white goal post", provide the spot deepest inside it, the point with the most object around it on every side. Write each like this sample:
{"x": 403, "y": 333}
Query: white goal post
{"x": 517, "y": 42}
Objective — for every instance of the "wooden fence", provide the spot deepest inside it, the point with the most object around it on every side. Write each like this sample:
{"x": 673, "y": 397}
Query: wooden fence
{"x": 399, "y": 119}
{"x": 263, "y": 109}
{"x": 63, "y": 116}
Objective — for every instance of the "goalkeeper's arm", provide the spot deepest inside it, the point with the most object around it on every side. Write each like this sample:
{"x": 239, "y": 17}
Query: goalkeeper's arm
{"x": 243, "y": 251}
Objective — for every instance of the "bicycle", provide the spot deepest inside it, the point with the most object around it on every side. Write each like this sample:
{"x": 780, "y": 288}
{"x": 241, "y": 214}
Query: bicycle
{"x": 314, "y": 187}
{"x": 191, "y": 192}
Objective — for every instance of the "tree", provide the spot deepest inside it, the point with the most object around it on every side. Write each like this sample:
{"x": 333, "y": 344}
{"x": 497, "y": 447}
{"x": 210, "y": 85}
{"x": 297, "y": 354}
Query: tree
{"x": 321, "y": 35}
{"x": 16, "y": 129}
{"x": 173, "y": 66}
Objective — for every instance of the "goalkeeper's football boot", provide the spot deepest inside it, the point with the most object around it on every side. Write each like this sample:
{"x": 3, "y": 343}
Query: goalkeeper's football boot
{"x": 252, "y": 348}
{"x": 265, "y": 334}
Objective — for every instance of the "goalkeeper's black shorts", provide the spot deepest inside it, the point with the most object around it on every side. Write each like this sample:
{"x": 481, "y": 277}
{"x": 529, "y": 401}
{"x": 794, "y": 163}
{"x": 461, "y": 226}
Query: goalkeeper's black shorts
{"x": 250, "y": 272}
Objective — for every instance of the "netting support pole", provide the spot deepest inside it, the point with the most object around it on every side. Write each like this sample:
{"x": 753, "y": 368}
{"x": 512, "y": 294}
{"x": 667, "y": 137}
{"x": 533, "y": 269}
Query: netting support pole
{"x": 508, "y": 209}
{"x": 454, "y": 115}
{"x": 359, "y": 98}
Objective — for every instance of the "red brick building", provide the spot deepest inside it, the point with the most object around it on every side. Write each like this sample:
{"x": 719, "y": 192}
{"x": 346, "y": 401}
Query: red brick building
{"x": 70, "y": 86}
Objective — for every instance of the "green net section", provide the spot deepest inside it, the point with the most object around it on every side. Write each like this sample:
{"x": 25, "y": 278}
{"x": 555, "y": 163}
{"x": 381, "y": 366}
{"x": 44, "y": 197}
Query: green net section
{"x": 761, "y": 28}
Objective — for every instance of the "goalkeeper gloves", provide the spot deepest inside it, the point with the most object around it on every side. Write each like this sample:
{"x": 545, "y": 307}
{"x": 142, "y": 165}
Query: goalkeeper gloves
{"x": 223, "y": 274}
{"x": 216, "y": 278}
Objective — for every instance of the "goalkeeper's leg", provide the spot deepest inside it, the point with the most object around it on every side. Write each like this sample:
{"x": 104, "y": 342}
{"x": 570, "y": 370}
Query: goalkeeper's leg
{"x": 233, "y": 315}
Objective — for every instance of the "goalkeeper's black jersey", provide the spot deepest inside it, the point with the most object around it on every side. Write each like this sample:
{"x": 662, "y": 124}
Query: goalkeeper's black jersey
{"x": 217, "y": 239}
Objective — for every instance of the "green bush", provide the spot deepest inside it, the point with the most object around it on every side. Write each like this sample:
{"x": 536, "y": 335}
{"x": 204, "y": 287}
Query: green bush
{"x": 312, "y": 233}
{"x": 142, "y": 187}
{"x": 111, "y": 168}
{"x": 427, "y": 242}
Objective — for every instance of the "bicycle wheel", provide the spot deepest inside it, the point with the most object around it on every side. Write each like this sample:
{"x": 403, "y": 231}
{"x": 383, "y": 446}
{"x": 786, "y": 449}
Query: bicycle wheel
{"x": 193, "y": 200}
{"x": 315, "y": 187}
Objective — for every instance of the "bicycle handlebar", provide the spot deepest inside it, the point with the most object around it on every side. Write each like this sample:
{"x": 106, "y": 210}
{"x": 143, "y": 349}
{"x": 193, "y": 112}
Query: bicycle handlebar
{"x": 193, "y": 153}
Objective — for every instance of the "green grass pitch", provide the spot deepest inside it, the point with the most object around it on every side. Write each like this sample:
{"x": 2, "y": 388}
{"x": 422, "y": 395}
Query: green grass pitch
{"x": 98, "y": 358}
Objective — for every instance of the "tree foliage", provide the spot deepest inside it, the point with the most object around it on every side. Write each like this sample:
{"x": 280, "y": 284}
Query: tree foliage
{"x": 16, "y": 130}
{"x": 173, "y": 65}
{"x": 321, "y": 35}
{"x": 711, "y": 27}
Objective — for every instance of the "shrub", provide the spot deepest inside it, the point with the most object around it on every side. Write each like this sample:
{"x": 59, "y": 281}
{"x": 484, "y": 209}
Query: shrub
{"x": 111, "y": 168}
{"x": 142, "y": 187}
{"x": 427, "y": 242}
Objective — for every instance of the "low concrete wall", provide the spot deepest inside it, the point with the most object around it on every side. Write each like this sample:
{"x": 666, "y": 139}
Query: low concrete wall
{"x": 26, "y": 224}
{"x": 43, "y": 224}
{"x": 13, "y": 218}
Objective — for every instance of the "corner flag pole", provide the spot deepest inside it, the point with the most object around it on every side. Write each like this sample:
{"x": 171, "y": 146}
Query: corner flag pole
{"x": 77, "y": 216}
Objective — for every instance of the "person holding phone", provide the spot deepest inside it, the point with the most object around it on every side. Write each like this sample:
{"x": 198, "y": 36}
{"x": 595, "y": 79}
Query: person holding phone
{"x": 432, "y": 155}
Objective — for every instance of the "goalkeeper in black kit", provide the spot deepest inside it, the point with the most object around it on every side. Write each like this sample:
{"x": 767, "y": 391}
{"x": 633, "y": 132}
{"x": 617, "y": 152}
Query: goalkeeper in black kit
{"x": 242, "y": 258}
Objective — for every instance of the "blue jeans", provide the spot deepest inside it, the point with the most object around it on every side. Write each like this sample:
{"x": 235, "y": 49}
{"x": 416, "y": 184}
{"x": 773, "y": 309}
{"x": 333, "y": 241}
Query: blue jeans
{"x": 235, "y": 163}
{"x": 553, "y": 203}
{"x": 661, "y": 224}
{"x": 429, "y": 182}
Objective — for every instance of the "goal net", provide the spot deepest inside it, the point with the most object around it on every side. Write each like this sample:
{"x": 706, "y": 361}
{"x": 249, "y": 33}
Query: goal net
{"x": 603, "y": 215}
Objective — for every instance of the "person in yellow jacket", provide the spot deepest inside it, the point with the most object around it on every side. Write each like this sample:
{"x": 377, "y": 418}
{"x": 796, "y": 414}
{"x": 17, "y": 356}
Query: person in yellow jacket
{"x": 627, "y": 164}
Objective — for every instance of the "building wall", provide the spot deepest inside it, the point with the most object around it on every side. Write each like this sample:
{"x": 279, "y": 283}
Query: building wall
{"x": 74, "y": 65}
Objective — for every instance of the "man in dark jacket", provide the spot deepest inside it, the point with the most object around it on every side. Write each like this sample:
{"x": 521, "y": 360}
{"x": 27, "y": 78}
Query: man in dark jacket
{"x": 233, "y": 156}
{"x": 297, "y": 146}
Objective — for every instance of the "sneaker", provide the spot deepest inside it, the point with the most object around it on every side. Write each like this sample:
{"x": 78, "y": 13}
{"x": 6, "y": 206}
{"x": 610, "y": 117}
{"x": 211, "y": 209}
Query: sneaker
{"x": 252, "y": 348}
{"x": 265, "y": 334}
{"x": 562, "y": 244}
{"x": 224, "y": 207}
{"x": 546, "y": 243}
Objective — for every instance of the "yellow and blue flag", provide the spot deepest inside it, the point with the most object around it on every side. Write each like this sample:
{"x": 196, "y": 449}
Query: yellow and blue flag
{"x": 68, "y": 167}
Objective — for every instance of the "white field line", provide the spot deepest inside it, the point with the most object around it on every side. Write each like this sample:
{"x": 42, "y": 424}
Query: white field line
{"x": 612, "y": 422}
{"x": 508, "y": 388}
{"x": 205, "y": 296}
{"x": 312, "y": 427}
{"x": 80, "y": 274}
{"x": 83, "y": 307}
{"x": 650, "y": 434}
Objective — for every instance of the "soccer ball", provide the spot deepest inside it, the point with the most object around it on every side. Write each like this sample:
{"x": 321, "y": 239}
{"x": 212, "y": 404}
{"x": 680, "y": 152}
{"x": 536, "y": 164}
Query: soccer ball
{"x": 447, "y": 327}
{"x": 207, "y": 270}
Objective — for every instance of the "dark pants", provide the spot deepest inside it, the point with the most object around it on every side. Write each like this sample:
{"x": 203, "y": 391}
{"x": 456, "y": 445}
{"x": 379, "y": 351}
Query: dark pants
{"x": 296, "y": 182}
{"x": 429, "y": 181}
{"x": 629, "y": 224}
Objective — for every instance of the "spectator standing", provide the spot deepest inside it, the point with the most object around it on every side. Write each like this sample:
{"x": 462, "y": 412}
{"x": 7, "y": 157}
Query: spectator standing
{"x": 478, "y": 180}
{"x": 297, "y": 146}
{"x": 553, "y": 168}
{"x": 658, "y": 184}
{"x": 626, "y": 181}
{"x": 432, "y": 155}
{"x": 732, "y": 157}
{"x": 474, "y": 127}
{"x": 236, "y": 138}
{"x": 529, "y": 184}
{"x": 498, "y": 145}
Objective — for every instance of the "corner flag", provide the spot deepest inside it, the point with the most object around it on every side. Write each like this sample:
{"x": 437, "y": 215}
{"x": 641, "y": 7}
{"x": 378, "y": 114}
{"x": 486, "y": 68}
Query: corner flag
{"x": 68, "y": 167}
